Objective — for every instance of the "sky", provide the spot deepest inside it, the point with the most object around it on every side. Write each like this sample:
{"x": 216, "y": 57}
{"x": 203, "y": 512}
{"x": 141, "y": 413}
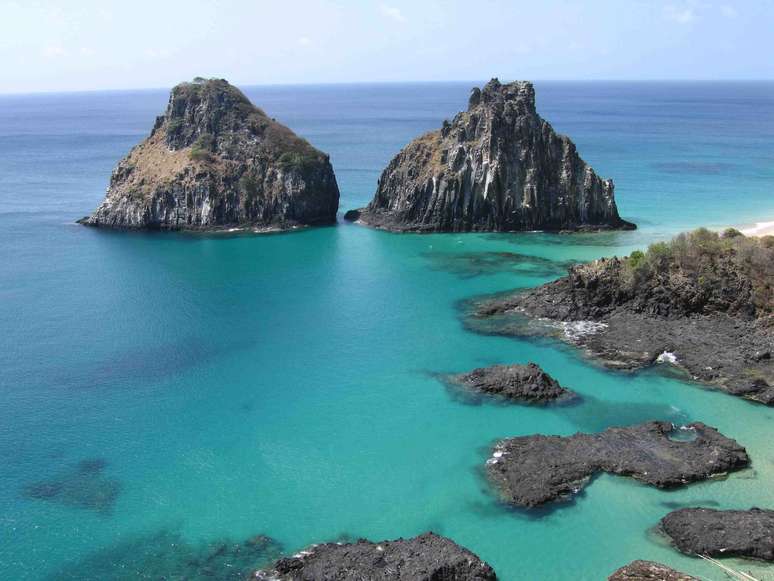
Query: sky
{"x": 92, "y": 44}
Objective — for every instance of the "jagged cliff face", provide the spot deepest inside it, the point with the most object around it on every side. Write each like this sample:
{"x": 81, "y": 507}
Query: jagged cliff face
{"x": 212, "y": 161}
{"x": 496, "y": 167}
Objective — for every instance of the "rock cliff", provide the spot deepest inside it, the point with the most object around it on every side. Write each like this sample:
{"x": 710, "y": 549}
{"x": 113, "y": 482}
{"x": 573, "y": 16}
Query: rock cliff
{"x": 213, "y": 161}
{"x": 496, "y": 167}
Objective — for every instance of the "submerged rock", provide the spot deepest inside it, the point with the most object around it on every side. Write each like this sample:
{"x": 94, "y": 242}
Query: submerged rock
{"x": 522, "y": 383}
{"x": 701, "y": 303}
{"x": 496, "y": 167}
{"x": 722, "y": 533}
{"x": 534, "y": 470}
{"x": 167, "y": 555}
{"x": 215, "y": 161}
{"x": 648, "y": 571}
{"x": 428, "y": 557}
{"x": 82, "y": 486}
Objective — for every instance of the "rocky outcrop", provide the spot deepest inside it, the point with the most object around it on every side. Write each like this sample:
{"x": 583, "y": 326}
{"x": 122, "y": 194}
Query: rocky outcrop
{"x": 702, "y": 303}
{"x": 428, "y": 557}
{"x": 518, "y": 383}
{"x": 496, "y": 167}
{"x": 648, "y": 571}
{"x": 215, "y": 161}
{"x": 533, "y": 470}
{"x": 722, "y": 533}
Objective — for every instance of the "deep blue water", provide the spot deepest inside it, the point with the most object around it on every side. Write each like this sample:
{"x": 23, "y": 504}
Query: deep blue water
{"x": 284, "y": 384}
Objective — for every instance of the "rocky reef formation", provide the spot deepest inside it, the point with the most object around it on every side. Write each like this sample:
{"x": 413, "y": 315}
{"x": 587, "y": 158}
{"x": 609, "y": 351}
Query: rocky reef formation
{"x": 168, "y": 555}
{"x": 215, "y": 161}
{"x": 428, "y": 557}
{"x": 83, "y": 486}
{"x": 648, "y": 571}
{"x": 533, "y": 470}
{"x": 519, "y": 383}
{"x": 496, "y": 167}
{"x": 722, "y": 533}
{"x": 702, "y": 302}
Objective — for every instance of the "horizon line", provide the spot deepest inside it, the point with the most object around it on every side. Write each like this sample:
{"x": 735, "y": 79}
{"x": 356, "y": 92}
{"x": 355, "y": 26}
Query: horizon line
{"x": 391, "y": 82}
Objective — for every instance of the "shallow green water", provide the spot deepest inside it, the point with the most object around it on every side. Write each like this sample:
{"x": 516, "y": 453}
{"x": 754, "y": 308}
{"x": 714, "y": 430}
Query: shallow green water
{"x": 285, "y": 384}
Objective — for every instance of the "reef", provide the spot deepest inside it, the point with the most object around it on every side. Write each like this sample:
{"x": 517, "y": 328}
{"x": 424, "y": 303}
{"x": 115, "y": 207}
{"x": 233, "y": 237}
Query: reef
{"x": 214, "y": 161}
{"x": 167, "y": 555}
{"x": 517, "y": 383}
{"x": 498, "y": 166}
{"x": 648, "y": 571}
{"x": 83, "y": 486}
{"x": 428, "y": 557}
{"x": 530, "y": 471}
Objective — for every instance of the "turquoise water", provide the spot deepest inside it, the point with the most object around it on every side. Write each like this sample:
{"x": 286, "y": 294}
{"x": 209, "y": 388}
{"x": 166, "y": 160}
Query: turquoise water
{"x": 285, "y": 384}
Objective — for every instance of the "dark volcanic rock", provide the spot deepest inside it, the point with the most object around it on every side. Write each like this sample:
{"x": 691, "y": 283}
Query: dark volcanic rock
{"x": 428, "y": 557}
{"x": 648, "y": 571}
{"x": 525, "y": 383}
{"x": 722, "y": 533}
{"x": 533, "y": 470}
{"x": 496, "y": 167}
{"x": 215, "y": 161}
{"x": 704, "y": 305}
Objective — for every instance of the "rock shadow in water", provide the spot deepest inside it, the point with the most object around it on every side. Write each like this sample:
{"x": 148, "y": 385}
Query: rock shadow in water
{"x": 166, "y": 555}
{"x": 82, "y": 486}
{"x": 473, "y": 264}
{"x": 674, "y": 504}
{"x": 597, "y": 415}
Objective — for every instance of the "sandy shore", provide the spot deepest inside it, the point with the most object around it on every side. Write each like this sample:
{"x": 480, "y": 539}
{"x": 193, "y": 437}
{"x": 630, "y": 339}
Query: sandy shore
{"x": 760, "y": 229}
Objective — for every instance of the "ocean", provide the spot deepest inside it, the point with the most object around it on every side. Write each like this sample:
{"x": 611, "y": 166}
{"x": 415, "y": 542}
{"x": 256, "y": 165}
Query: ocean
{"x": 165, "y": 395}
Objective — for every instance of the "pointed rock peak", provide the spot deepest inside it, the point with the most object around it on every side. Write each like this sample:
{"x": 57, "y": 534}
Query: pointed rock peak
{"x": 214, "y": 160}
{"x": 217, "y": 91}
{"x": 499, "y": 166}
{"x": 494, "y": 92}
{"x": 205, "y": 107}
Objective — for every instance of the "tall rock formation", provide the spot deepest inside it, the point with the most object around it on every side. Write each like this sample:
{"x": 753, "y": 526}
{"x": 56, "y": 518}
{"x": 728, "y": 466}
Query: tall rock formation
{"x": 496, "y": 167}
{"x": 213, "y": 161}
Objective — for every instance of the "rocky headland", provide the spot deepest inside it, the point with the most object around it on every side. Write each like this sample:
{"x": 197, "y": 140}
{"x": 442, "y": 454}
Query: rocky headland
{"x": 722, "y": 533}
{"x": 516, "y": 383}
{"x": 533, "y": 470}
{"x": 702, "y": 302}
{"x": 648, "y": 571}
{"x": 215, "y": 161}
{"x": 428, "y": 557}
{"x": 496, "y": 167}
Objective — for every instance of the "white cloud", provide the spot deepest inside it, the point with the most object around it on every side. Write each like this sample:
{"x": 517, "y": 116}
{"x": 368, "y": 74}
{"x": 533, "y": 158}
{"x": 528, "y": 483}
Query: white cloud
{"x": 679, "y": 14}
{"x": 158, "y": 53}
{"x": 304, "y": 41}
{"x": 53, "y": 52}
{"x": 728, "y": 11}
{"x": 392, "y": 12}
{"x": 86, "y": 51}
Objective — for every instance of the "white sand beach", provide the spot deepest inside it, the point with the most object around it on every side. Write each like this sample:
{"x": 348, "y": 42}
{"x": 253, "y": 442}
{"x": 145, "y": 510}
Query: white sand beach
{"x": 759, "y": 229}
